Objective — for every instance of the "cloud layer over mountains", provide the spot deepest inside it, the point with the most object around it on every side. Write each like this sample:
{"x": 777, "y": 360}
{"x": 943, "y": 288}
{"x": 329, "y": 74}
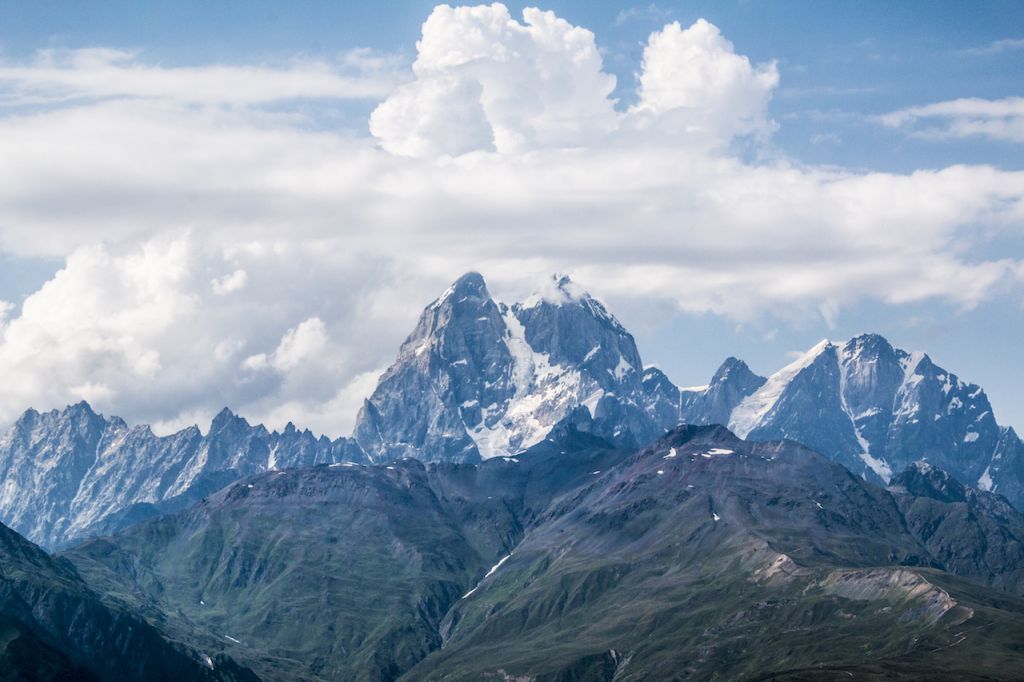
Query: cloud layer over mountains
{"x": 225, "y": 244}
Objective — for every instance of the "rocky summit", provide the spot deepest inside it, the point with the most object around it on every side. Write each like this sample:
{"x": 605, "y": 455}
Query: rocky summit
{"x": 478, "y": 378}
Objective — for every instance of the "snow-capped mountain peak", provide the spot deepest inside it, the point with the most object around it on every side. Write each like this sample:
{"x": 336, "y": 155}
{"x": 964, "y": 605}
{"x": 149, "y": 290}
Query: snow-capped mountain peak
{"x": 559, "y": 289}
{"x": 876, "y": 409}
{"x": 495, "y": 380}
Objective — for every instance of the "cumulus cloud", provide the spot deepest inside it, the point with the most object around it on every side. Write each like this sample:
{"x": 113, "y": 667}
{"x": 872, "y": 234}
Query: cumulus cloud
{"x": 230, "y": 283}
{"x": 693, "y": 81}
{"x": 485, "y": 81}
{"x": 439, "y": 116}
{"x": 223, "y": 254}
{"x": 509, "y": 86}
{"x": 1000, "y": 119}
{"x": 137, "y": 330}
{"x": 300, "y": 344}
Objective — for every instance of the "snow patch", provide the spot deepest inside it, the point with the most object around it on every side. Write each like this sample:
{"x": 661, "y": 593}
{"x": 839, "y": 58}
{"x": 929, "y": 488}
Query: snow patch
{"x": 621, "y": 369}
{"x": 971, "y": 437}
{"x": 592, "y": 400}
{"x": 489, "y": 573}
{"x": 985, "y": 481}
{"x": 879, "y": 466}
{"x": 544, "y": 393}
{"x": 755, "y": 407}
{"x": 671, "y": 454}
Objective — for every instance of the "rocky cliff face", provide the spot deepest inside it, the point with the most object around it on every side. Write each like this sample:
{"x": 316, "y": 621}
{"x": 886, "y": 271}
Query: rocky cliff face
{"x": 972, "y": 532}
{"x": 478, "y": 378}
{"x": 66, "y": 474}
{"x": 871, "y": 407}
{"x": 876, "y": 409}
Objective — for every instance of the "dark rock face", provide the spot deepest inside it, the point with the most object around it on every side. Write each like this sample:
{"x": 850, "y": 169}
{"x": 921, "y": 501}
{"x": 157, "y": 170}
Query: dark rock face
{"x": 575, "y": 560}
{"x": 811, "y": 410}
{"x": 69, "y": 474}
{"x": 971, "y": 532}
{"x": 455, "y": 365}
{"x": 1005, "y": 473}
{"x": 729, "y": 386}
{"x": 57, "y": 628}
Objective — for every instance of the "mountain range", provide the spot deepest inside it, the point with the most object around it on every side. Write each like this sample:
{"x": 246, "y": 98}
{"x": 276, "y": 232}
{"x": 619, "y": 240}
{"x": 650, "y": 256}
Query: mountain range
{"x": 579, "y": 560}
{"x": 478, "y": 378}
{"x": 522, "y": 499}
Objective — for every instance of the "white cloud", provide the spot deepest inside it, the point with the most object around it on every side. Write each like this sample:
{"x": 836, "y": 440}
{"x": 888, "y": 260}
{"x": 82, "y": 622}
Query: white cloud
{"x": 229, "y": 283}
{"x": 304, "y": 343}
{"x": 138, "y": 331}
{"x": 511, "y": 86}
{"x": 695, "y": 83}
{"x": 278, "y": 267}
{"x": 58, "y": 75}
{"x": 996, "y": 47}
{"x": 651, "y": 12}
{"x": 5, "y": 310}
{"x": 485, "y": 81}
{"x": 1000, "y": 119}
{"x": 434, "y": 117}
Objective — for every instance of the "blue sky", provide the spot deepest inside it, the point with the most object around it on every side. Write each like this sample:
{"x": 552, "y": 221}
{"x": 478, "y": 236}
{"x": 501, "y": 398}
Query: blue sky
{"x": 840, "y": 67}
{"x": 840, "y": 61}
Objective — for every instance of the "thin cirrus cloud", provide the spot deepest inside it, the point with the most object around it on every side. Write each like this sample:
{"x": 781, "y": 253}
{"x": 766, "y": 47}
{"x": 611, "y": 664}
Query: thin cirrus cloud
{"x": 1000, "y": 119}
{"x": 278, "y": 266}
{"x": 995, "y": 47}
{"x": 55, "y": 76}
